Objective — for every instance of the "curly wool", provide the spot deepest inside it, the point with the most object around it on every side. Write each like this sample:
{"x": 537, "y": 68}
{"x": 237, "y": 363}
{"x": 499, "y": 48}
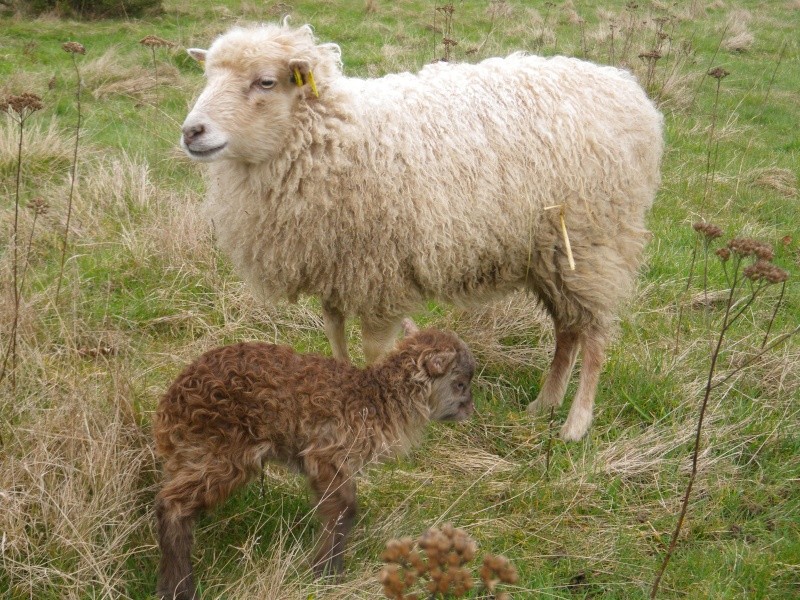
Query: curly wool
{"x": 238, "y": 406}
{"x": 395, "y": 190}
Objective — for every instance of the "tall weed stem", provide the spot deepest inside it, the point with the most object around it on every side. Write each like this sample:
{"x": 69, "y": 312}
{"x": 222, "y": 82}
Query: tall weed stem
{"x": 73, "y": 48}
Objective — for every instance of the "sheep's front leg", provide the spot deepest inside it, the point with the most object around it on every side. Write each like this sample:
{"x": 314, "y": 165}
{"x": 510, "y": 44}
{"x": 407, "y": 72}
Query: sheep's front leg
{"x": 334, "y": 320}
{"x": 335, "y": 492}
{"x": 555, "y": 384}
{"x": 379, "y": 337}
{"x": 593, "y": 343}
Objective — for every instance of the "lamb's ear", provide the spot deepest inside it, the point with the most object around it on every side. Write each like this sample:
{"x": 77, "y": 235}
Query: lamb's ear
{"x": 437, "y": 363}
{"x": 198, "y": 54}
{"x": 409, "y": 327}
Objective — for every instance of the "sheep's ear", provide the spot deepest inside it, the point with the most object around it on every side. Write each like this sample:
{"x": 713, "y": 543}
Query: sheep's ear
{"x": 198, "y": 54}
{"x": 437, "y": 363}
{"x": 409, "y": 327}
{"x": 300, "y": 65}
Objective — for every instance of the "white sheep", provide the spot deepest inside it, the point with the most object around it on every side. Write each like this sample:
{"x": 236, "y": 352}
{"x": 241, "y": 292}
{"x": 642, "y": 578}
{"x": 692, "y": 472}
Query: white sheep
{"x": 378, "y": 194}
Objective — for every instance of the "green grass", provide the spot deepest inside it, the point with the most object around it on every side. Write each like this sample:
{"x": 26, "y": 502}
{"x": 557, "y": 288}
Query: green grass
{"x": 145, "y": 291}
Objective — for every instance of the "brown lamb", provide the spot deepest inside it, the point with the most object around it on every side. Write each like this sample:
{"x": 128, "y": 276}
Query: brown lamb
{"x": 241, "y": 405}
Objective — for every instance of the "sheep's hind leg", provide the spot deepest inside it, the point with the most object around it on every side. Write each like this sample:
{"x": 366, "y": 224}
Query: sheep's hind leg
{"x": 580, "y": 413}
{"x": 334, "y": 321}
{"x": 555, "y": 383}
{"x": 379, "y": 337}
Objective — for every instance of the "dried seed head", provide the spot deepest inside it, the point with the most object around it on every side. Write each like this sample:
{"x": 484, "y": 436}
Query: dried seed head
{"x": 764, "y": 270}
{"x": 777, "y": 275}
{"x": 743, "y": 246}
{"x": 39, "y": 206}
{"x": 718, "y": 73}
{"x": 652, "y": 55}
{"x": 764, "y": 252}
{"x": 403, "y": 568}
{"x": 23, "y": 104}
{"x": 756, "y": 271}
{"x": 723, "y": 253}
{"x": 73, "y": 47}
{"x": 497, "y": 569}
{"x": 153, "y": 41}
{"x": 709, "y": 230}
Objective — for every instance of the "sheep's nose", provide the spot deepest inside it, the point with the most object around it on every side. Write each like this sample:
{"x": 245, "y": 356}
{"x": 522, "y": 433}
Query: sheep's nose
{"x": 192, "y": 132}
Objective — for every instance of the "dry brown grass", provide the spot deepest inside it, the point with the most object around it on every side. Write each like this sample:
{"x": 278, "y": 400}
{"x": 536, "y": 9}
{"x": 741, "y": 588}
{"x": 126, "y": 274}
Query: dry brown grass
{"x": 45, "y": 148}
{"x": 783, "y": 181}
{"x": 112, "y": 74}
{"x": 499, "y": 332}
{"x": 74, "y": 478}
{"x": 738, "y": 37}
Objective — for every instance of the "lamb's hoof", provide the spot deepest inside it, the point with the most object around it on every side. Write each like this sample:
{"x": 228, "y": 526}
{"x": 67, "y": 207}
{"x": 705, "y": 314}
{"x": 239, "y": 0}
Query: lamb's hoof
{"x": 575, "y": 428}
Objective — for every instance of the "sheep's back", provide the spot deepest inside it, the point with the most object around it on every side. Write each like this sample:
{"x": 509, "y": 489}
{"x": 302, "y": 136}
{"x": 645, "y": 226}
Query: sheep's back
{"x": 434, "y": 185}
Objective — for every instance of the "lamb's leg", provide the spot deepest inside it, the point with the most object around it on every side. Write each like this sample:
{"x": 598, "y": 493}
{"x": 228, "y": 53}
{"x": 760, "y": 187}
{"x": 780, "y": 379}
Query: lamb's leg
{"x": 334, "y": 322}
{"x": 335, "y": 492}
{"x": 379, "y": 337}
{"x": 580, "y": 413}
{"x": 184, "y": 495}
{"x": 175, "y": 522}
{"x": 555, "y": 383}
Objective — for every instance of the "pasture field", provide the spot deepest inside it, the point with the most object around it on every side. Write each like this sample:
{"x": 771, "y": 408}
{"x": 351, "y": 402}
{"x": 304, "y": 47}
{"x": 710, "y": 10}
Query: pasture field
{"x": 143, "y": 291}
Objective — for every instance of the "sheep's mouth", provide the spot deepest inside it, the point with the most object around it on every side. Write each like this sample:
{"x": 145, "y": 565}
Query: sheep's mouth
{"x": 204, "y": 153}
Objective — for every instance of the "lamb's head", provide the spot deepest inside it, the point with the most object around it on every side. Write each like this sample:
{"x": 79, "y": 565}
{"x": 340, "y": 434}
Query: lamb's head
{"x": 447, "y": 363}
{"x": 257, "y": 78}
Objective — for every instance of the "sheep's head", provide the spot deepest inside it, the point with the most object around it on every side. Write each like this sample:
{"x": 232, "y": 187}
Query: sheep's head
{"x": 449, "y": 365}
{"x": 256, "y": 79}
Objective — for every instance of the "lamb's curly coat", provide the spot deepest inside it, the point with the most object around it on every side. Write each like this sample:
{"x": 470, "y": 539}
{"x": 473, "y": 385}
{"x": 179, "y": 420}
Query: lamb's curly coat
{"x": 238, "y": 406}
{"x": 382, "y": 193}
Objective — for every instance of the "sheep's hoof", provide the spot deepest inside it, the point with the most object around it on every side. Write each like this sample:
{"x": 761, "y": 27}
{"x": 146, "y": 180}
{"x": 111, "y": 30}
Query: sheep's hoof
{"x": 541, "y": 404}
{"x": 575, "y": 428}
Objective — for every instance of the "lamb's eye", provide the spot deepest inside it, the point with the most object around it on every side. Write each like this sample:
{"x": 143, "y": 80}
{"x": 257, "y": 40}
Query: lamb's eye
{"x": 461, "y": 386}
{"x": 266, "y": 83}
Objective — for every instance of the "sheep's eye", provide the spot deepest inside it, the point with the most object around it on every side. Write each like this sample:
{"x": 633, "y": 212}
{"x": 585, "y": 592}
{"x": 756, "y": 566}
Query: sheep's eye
{"x": 266, "y": 83}
{"x": 460, "y": 386}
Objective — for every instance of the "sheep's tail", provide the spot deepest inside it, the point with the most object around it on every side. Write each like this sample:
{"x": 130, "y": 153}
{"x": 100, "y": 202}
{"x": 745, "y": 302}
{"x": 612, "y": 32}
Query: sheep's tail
{"x": 175, "y": 537}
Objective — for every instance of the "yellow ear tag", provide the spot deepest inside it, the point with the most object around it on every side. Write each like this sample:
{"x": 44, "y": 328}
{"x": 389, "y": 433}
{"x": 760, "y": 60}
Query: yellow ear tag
{"x": 313, "y": 84}
{"x": 298, "y": 79}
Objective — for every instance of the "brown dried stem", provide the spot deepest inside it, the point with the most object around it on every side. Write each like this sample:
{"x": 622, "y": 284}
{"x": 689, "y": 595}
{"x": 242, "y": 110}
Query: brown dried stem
{"x": 20, "y": 108}
{"x": 73, "y": 169}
